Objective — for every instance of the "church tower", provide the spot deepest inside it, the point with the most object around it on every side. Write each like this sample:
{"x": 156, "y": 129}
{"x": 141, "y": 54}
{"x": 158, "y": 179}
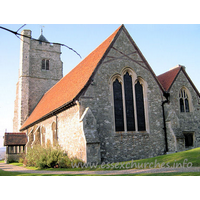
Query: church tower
{"x": 40, "y": 69}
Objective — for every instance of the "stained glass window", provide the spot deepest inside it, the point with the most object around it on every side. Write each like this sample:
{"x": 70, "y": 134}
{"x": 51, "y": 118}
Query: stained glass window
{"x": 140, "y": 106}
{"x": 118, "y": 106}
{"x": 128, "y": 89}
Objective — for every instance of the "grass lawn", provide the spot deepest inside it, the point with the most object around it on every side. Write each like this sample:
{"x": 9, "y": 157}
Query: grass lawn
{"x": 190, "y": 158}
{"x": 6, "y": 173}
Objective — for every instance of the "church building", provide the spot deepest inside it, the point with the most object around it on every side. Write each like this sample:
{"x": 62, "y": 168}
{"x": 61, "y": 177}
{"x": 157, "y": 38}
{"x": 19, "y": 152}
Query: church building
{"x": 111, "y": 107}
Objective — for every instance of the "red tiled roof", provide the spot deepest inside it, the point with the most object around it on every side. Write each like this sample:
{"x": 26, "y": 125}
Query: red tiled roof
{"x": 68, "y": 88}
{"x": 15, "y": 139}
{"x": 168, "y": 78}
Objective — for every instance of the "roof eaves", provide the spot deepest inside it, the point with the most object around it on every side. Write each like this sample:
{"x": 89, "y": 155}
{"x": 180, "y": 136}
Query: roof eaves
{"x": 194, "y": 87}
{"x": 17, "y": 136}
{"x": 83, "y": 89}
{"x": 182, "y": 68}
{"x": 163, "y": 77}
{"x": 52, "y": 113}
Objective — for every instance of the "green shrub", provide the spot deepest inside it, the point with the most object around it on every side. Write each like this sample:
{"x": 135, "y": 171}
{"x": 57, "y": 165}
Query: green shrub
{"x": 47, "y": 157}
{"x": 76, "y": 162}
{"x": 64, "y": 162}
{"x": 21, "y": 160}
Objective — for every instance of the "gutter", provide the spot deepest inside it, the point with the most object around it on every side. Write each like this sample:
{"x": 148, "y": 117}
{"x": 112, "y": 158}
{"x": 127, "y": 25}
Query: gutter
{"x": 52, "y": 113}
{"x": 166, "y": 95}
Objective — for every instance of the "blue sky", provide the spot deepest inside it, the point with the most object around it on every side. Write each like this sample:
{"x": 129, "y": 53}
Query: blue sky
{"x": 164, "y": 46}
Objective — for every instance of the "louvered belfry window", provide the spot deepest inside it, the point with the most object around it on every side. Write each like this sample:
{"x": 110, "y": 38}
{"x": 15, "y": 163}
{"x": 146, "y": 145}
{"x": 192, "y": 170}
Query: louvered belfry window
{"x": 45, "y": 64}
{"x": 129, "y": 106}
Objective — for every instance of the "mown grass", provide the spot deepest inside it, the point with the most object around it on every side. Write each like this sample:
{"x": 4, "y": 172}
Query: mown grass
{"x": 191, "y": 158}
{"x": 21, "y": 165}
{"x": 6, "y": 173}
{"x": 164, "y": 174}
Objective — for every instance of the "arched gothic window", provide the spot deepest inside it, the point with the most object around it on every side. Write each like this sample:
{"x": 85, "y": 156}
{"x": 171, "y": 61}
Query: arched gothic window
{"x": 43, "y": 135}
{"x": 31, "y": 137}
{"x": 38, "y": 136}
{"x": 184, "y": 101}
{"x": 54, "y": 134}
{"x": 140, "y": 106}
{"x": 129, "y": 104}
{"x": 118, "y": 105}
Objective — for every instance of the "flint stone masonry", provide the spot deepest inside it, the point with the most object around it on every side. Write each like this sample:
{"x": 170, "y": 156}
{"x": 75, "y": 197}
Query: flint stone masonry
{"x": 72, "y": 136}
{"x": 124, "y": 146}
{"x": 185, "y": 121}
{"x": 86, "y": 128}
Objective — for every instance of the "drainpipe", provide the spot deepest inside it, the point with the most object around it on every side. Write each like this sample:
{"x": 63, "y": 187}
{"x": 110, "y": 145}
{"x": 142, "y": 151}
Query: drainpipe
{"x": 166, "y": 95}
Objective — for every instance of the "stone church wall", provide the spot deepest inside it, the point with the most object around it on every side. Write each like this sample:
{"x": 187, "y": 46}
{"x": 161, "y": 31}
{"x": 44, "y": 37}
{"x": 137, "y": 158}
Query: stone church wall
{"x": 69, "y": 132}
{"x": 16, "y": 110}
{"x": 33, "y": 80}
{"x": 188, "y": 122}
{"x": 123, "y": 146}
{"x": 40, "y": 81}
{"x": 87, "y": 129}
